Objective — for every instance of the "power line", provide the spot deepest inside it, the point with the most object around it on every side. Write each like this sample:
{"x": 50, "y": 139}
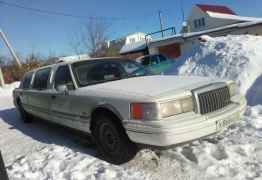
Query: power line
{"x": 57, "y": 13}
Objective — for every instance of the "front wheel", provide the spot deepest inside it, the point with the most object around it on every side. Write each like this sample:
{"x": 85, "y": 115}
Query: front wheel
{"x": 112, "y": 142}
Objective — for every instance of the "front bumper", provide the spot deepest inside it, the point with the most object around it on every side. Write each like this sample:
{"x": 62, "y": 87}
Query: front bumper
{"x": 184, "y": 127}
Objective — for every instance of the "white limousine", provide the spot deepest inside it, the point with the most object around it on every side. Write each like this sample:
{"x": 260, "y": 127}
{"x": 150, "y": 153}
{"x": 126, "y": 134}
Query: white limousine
{"x": 122, "y": 104}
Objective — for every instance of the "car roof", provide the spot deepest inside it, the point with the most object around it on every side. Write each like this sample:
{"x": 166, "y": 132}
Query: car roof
{"x": 60, "y": 63}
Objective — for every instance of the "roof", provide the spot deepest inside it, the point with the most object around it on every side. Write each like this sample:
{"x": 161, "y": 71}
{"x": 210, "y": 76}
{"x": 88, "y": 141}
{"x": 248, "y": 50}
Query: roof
{"x": 232, "y": 17}
{"x": 74, "y": 57}
{"x": 133, "y": 47}
{"x": 179, "y": 38}
{"x": 216, "y": 8}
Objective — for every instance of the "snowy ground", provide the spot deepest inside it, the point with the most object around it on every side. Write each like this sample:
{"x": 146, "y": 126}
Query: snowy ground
{"x": 40, "y": 151}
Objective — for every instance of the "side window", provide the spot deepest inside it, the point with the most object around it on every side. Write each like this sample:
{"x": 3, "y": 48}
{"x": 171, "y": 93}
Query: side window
{"x": 162, "y": 58}
{"x": 27, "y": 80}
{"x": 41, "y": 79}
{"x": 203, "y": 22}
{"x": 146, "y": 61}
{"x": 154, "y": 60}
{"x": 63, "y": 77}
{"x": 195, "y": 24}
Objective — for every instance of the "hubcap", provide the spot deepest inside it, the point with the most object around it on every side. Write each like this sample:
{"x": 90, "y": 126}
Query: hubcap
{"x": 109, "y": 138}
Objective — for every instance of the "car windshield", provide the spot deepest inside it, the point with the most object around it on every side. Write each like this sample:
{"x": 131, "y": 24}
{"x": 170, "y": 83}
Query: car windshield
{"x": 99, "y": 71}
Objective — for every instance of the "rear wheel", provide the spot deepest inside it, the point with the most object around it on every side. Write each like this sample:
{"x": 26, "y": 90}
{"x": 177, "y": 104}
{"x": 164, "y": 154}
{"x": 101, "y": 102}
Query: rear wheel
{"x": 112, "y": 142}
{"x": 25, "y": 117}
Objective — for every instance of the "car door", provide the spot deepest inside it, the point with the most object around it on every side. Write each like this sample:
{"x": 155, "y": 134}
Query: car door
{"x": 24, "y": 93}
{"x": 61, "y": 100}
{"x": 39, "y": 95}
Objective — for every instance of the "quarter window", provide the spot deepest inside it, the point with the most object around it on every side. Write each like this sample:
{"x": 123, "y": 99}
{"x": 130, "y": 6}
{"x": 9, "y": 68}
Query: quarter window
{"x": 41, "y": 79}
{"x": 63, "y": 77}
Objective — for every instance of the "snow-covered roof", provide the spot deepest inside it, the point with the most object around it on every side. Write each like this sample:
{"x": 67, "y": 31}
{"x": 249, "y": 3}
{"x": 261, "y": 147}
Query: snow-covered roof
{"x": 133, "y": 47}
{"x": 181, "y": 37}
{"x": 74, "y": 57}
{"x": 231, "y": 17}
{"x": 184, "y": 36}
{"x": 232, "y": 26}
{"x": 216, "y": 8}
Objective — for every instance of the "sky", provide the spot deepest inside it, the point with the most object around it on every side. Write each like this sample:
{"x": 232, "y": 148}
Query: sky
{"x": 46, "y": 34}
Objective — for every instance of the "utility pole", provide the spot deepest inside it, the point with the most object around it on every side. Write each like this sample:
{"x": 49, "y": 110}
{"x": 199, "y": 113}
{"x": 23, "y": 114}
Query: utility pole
{"x": 12, "y": 51}
{"x": 182, "y": 10}
{"x": 161, "y": 22}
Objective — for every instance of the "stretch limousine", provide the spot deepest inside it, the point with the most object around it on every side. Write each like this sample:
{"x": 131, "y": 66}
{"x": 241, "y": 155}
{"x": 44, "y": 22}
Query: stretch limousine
{"x": 121, "y": 104}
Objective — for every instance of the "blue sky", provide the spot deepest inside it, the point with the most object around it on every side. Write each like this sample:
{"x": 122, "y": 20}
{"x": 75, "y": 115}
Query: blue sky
{"x": 44, "y": 34}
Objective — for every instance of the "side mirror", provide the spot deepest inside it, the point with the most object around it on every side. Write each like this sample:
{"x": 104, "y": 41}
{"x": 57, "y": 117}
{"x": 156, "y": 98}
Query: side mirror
{"x": 62, "y": 89}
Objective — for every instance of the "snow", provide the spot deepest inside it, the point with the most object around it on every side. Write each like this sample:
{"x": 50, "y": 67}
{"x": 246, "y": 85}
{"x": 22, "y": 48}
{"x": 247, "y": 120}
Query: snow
{"x": 231, "y": 57}
{"x": 133, "y": 47}
{"x": 231, "y": 16}
{"x": 40, "y": 151}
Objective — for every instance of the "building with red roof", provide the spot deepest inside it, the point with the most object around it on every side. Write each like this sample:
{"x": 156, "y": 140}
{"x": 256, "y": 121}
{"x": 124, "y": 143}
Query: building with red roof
{"x": 205, "y": 16}
{"x": 216, "y": 8}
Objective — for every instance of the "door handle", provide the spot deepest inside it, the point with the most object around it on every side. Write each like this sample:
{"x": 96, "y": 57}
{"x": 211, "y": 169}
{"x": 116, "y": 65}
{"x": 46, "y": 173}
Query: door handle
{"x": 53, "y": 97}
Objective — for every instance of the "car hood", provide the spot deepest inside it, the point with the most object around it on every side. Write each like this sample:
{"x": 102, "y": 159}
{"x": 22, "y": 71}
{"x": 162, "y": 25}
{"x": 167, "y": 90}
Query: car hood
{"x": 154, "y": 86}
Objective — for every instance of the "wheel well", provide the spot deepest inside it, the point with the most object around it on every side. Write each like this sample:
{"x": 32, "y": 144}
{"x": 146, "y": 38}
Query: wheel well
{"x": 104, "y": 111}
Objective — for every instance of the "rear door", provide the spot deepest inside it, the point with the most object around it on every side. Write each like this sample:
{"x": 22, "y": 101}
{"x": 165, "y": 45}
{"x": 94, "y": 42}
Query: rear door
{"x": 40, "y": 94}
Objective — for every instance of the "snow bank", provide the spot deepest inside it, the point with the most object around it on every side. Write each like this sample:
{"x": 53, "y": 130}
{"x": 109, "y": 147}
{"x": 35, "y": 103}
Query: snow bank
{"x": 232, "y": 57}
{"x": 8, "y": 89}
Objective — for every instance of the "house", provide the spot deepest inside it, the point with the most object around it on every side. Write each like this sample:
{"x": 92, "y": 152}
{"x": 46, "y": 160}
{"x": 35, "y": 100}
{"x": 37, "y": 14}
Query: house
{"x": 203, "y": 17}
{"x": 212, "y": 20}
{"x": 135, "y": 41}
{"x": 135, "y": 37}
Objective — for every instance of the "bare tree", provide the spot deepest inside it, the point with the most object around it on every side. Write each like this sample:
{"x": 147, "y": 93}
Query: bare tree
{"x": 92, "y": 39}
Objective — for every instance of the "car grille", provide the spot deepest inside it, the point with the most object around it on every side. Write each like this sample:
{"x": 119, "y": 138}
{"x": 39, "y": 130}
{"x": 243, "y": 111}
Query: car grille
{"x": 213, "y": 100}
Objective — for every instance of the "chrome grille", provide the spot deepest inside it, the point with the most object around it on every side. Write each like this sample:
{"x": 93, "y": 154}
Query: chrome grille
{"x": 213, "y": 100}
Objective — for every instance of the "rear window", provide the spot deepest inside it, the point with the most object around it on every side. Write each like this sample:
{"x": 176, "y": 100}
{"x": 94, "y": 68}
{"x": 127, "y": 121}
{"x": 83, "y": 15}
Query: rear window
{"x": 41, "y": 79}
{"x": 27, "y": 80}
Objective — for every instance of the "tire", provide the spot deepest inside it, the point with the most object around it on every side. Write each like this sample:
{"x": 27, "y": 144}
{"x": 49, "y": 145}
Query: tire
{"x": 112, "y": 142}
{"x": 25, "y": 117}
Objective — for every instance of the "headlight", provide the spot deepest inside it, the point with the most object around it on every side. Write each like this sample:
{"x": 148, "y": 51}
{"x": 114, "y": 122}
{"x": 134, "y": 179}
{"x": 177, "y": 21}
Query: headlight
{"x": 232, "y": 86}
{"x": 154, "y": 111}
{"x": 176, "y": 107}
